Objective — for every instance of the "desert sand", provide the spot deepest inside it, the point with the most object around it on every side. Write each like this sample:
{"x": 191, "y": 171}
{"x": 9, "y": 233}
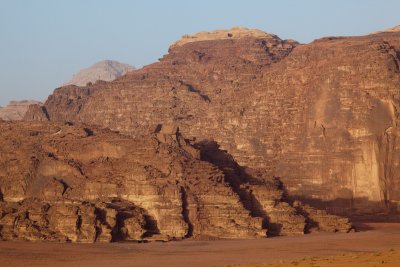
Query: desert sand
{"x": 376, "y": 240}
{"x": 389, "y": 258}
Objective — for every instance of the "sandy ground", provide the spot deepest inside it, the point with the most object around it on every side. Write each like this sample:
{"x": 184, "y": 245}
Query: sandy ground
{"x": 389, "y": 258}
{"x": 380, "y": 237}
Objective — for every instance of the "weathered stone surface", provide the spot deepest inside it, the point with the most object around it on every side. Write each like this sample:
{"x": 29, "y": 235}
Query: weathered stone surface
{"x": 321, "y": 220}
{"x": 73, "y": 183}
{"x": 15, "y": 110}
{"x": 36, "y": 112}
{"x": 324, "y": 117}
{"x": 75, "y": 221}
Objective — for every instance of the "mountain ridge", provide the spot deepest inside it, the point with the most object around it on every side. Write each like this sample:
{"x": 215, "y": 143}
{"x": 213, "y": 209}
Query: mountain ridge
{"x": 105, "y": 70}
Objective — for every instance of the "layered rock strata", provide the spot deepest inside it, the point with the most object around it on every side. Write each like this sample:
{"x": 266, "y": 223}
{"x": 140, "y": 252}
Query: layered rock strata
{"x": 324, "y": 117}
{"x": 72, "y": 183}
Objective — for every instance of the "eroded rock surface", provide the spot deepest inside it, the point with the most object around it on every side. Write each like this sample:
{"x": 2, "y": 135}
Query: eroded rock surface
{"x": 324, "y": 117}
{"x": 15, "y": 110}
{"x": 72, "y": 183}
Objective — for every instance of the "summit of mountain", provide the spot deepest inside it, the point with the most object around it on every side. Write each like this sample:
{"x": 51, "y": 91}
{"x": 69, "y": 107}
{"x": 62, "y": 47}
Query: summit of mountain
{"x": 106, "y": 70}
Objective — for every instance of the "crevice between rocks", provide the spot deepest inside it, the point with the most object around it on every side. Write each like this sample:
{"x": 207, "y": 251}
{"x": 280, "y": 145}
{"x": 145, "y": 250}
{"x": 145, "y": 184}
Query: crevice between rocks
{"x": 237, "y": 179}
{"x": 185, "y": 213}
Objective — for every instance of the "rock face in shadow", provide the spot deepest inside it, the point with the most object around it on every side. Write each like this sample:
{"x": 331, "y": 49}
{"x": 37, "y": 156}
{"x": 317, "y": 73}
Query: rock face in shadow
{"x": 63, "y": 182}
{"x": 324, "y": 117}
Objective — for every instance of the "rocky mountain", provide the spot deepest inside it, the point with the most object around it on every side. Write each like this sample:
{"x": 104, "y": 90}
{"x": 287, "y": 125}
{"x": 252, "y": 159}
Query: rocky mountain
{"x": 106, "y": 70}
{"x": 15, "y": 110}
{"x": 393, "y": 29}
{"x": 324, "y": 116}
{"x": 68, "y": 182}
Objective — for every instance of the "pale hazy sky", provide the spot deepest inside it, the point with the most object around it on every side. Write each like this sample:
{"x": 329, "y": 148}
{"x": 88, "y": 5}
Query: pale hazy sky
{"x": 44, "y": 42}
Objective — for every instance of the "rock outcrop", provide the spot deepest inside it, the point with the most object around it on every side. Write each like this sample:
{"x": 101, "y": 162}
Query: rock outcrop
{"x": 232, "y": 34}
{"x": 15, "y": 110}
{"x": 72, "y": 183}
{"x": 393, "y": 29}
{"x": 324, "y": 116}
{"x": 106, "y": 70}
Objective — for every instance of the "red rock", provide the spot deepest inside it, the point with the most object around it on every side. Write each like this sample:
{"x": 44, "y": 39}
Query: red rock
{"x": 321, "y": 116}
{"x": 79, "y": 184}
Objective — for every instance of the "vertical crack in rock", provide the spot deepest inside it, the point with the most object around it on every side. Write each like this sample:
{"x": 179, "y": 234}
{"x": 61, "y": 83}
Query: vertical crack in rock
{"x": 78, "y": 221}
{"x": 389, "y": 148}
{"x": 185, "y": 213}
{"x": 100, "y": 220}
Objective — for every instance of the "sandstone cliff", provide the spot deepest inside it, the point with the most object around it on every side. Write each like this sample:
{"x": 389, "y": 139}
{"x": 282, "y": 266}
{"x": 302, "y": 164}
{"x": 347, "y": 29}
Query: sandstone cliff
{"x": 324, "y": 116}
{"x": 73, "y": 183}
{"x": 15, "y": 110}
{"x": 106, "y": 70}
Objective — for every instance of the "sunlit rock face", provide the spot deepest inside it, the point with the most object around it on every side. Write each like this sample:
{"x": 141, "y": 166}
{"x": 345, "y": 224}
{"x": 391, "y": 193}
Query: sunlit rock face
{"x": 61, "y": 182}
{"x": 324, "y": 116}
